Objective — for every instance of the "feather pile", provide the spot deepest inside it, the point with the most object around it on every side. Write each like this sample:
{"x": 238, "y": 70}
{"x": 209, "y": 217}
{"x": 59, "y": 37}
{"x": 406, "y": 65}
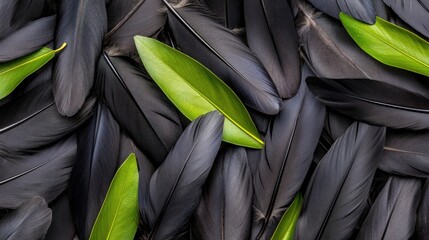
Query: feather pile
{"x": 340, "y": 128}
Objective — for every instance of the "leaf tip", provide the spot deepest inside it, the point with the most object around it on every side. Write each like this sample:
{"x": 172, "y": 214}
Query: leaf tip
{"x": 61, "y": 48}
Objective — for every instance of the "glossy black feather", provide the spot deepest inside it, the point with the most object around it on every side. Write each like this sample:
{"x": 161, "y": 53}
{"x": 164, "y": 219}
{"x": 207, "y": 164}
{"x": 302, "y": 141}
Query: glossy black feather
{"x": 328, "y": 49}
{"x": 82, "y": 25}
{"x": 219, "y": 49}
{"x": 422, "y": 224}
{"x": 289, "y": 145}
{"x": 393, "y": 214}
{"x": 413, "y": 12}
{"x": 30, "y": 220}
{"x": 32, "y": 120}
{"x": 373, "y": 102}
{"x": 360, "y": 9}
{"x": 229, "y": 12}
{"x": 27, "y": 39}
{"x": 272, "y": 36}
{"x": 144, "y": 19}
{"x": 45, "y": 173}
{"x": 98, "y": 151}
{"x": 176, "y": 186}
{"x": 62, "y": 226}
{"x": 225, "y": 210}
{"x": 139, "y": 106}
{"x": 340, "y": 185}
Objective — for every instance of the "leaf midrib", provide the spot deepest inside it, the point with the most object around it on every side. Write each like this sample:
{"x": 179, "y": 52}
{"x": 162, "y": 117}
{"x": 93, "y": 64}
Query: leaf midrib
{"x": 26, "y": 62}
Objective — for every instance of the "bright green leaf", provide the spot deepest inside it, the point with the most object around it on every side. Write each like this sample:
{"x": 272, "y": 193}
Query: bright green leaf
{"x": 286, "y": 228}
{"x": 195, "y": 90}
{"x": 12, "y": 73}
{"x": 119, "y": 215}
{"x": 390, "y": 44}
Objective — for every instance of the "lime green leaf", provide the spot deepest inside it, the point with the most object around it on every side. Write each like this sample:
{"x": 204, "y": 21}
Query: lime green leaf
{"x": 195, "y": 90}
{"x": 390, "y": 44}
{"x": 119, "y": 215}
{"x": 286, "y": 228}
{"x": 12, "y": 73}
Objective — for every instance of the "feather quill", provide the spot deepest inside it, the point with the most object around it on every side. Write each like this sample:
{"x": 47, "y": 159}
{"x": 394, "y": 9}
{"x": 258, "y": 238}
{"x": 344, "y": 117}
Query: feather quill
{"x": 45, "y": 173}
{"x": 422, "y": 224}
{"x": 27, "y": 39}
{"x": 219, "y": 49}
{"x": 176, "y": 186}
{"x": 134, "y": 98}
{"x": 225, "y": 209}
{"x": 340, "y": 185}
{"x": 82, "y": 24}
{"x": 393, "y": 214}
{"x": 360, "y": 9}
{"x": 32, "y": 120}
{"x": 229, "y": 12}
{"x": 373, "y": 102}
{"x": 30, "y": 220}
{"x": 272, "y": 36}
{"x": 62, "y": 226}
{"x": 331, "y": 53}
{"x": 98, "y": 151}
{"x": 144, "y": 19}
{"x": 289, "y": 146}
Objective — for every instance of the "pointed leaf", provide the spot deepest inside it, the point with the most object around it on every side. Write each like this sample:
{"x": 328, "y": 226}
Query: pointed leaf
{"x": 12, "y": 73}
{"x": 195, "y": 90}
{"x": 390, "y": 44}
{"x": 119, "y": 215}
{"x": 286, "y": 228}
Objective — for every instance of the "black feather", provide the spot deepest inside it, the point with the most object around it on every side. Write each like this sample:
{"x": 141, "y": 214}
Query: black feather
{"x": 117, "y": 10}
{"x": 32, "y": 120}
{"x": 360, "y": 9}
{"x": 340, "y": 185}
{"x": 45, "y": 173}
{"x": 373, "y": 102}
{"x": 27, "y": 39}
{"x": 6, "y": 12}
{"x": 82, "y": 25}
{"x": 413, "y": 12}
{"x": 225, "y": 210}
{"x": 30, "y": 221}
{"x": 331, "y": 53}
{"x": 219, "y": 49}
{"x": 98, "y": 151}
{"x": 30, "y": 10}
{"x": 62, "y": 226}
{"x": 422, "y": 224}
{"x": 176, "y": 186}
{"x": 145, "y": 19}
{"x": 289, "y": 145}
{"x": 393, "y": 214}
{"x": 139, "y": 106}
{"x": 272, "y": 36}
{"x": 229, "y": 12}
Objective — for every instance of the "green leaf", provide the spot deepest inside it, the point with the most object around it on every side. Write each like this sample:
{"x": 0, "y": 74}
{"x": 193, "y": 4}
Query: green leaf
{"x": 286, "y": 228}
{"x": 390, "y": 44}
{"x": 195, "y": 90}
{"x": 119, "y": 215}
{"x": 12, "y": 73}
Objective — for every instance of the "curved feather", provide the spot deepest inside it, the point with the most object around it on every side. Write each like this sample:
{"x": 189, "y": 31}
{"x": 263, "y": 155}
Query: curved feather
{"x": 30, "y": 220}
{"x": 6, "y": 11}
{"x": 45, "y": 173}
{"x": 220, "y": 50}
{"x": 144, "y": 19}
{"x": 117, "y": 10}
{"x": 82, "y": 24}
{"x": 32, "y": 120}
{"x": 331, "y": 53}
{"x": 289, "y": 145}
{"x": 62, "y": 225}
{"x": 98, "y": 151}
{"x": 340, "y": 185}
{"x": 272, "y": 36}
{"x": 373, "y": 102}
{"x": 360, "y": 9}
{"x": 176, "y": 186}
{"x": 134, "y": 98}
{"x": 228, "y": 12}
{"x": 422, "y": 224}
{"x": 27, "y": 39}
{"x": 393, "y": 214}
{"x": 225, "y": 209}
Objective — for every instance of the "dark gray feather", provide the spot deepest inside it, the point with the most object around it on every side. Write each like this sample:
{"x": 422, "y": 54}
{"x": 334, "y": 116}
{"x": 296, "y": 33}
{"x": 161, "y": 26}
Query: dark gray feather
{"x": 62, "y": 226}
{"x": 360, "y": 9}
{"x": 422, "y": 224}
